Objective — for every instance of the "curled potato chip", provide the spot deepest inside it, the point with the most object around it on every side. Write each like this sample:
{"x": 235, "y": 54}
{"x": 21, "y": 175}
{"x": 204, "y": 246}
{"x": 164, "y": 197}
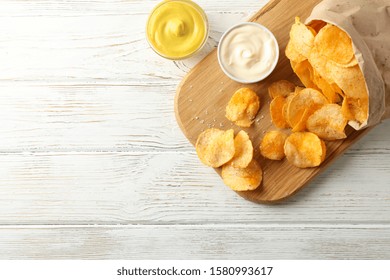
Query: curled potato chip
{"x": 287, "y": 104}
{"x": 328, "y": 122}
{"x": 272, "y": 145}
{"x": 282, "y": 87}
{"x": 334, "y": 44}
{"x": 276, "y": 111}
{"x": 243, "y": 107}
{"x": 301, "y": 125}
{"x": 307, "y": 99}
{"x": 215, "y": 147}
{"x": 301, "y": 37}
{"x": 304, "y": 149}
{"x": 242, "y": 179}
{"x": 305, "y": 73}
{"x": 243, "y": 150}
{"x": 326, "y": 88}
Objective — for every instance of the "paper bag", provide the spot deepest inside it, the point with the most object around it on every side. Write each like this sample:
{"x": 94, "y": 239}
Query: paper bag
{"x": 367, "y": 22}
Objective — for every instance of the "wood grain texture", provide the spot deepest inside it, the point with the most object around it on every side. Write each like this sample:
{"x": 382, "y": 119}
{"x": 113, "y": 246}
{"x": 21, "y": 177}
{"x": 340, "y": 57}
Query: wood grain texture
{"x": 209, "y": 91}
{"x": 207, "y": 242}
{"x": 93, "y": 164}
{"x": 136, "y": 188}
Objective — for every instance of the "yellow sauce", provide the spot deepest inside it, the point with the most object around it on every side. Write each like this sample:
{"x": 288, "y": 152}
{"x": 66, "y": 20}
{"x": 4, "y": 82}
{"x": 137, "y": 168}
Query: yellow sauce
{"x": 177, "y": 28}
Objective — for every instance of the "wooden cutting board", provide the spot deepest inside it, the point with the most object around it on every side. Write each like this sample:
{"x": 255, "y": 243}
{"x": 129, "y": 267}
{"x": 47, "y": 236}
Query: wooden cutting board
{"x": 203, "y": 94}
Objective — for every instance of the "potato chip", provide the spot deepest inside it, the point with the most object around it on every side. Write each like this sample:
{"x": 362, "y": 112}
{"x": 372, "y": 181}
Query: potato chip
{"x": 334, "y": 44}
{"x": 272, "y": 145}
{"x": 215, "y": 147}
{"x": 319, "y": 62}
{"x": 346, "y": 110}
{"x": 304, "y": 149}
{"x": 282, "y": 87}
{"x": 286, "y": 105}
{"x": 276, "y": 111}
{"x": 242, "y": 179}
{"x": 301, "y": 125}
{"x": 293, "y": 54}
{"x": 301, "y": 37}
{"x": 305, "y": 73}
{"x": 357, "y": 107}
{"x": 328, "y": 122}
{"x": 243, "y": 107}
{"x": 350, "y": 80}
{"x": 326, "y": 88}
{"x": 307, "y": 99}
{"x": 243, "y": 150}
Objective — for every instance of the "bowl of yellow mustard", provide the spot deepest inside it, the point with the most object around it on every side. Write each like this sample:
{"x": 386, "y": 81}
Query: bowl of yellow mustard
{"x": 177, "y": 29}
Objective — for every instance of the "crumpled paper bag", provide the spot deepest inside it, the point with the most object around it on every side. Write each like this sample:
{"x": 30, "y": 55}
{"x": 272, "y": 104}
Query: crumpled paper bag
{"x": 367, "y": 22}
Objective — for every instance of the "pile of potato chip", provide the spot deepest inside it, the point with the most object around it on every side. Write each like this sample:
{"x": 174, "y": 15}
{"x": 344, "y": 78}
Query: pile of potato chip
{"x": 335, "y": 93}
{"x": 220, "y": 148}
{"x": 322, "y": 56}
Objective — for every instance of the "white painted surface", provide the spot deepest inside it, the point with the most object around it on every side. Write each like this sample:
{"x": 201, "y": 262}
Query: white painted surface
{"x": 93, "y": 165}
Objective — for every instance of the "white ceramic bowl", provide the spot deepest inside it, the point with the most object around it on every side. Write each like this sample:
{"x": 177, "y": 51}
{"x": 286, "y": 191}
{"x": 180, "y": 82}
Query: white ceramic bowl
{"x": 260, "y": 77}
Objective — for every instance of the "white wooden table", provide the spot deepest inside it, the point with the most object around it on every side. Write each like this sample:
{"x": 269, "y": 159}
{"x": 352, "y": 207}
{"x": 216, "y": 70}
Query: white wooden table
{"x": 94, "y": 166}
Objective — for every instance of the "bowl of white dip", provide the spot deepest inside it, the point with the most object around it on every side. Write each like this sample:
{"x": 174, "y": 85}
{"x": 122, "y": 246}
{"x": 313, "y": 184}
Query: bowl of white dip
{"x": 248, "y": 52}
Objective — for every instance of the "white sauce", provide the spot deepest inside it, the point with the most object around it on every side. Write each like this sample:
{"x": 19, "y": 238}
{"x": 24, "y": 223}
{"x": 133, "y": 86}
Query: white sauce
{"x": 248, "y": 52}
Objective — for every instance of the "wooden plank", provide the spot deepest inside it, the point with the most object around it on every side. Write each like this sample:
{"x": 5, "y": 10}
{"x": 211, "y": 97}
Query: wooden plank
{"x": 88, "y": 118}
{"x": 210, "y": 91}
{"x": 175, "y": 188}
{"x": 196, "y": 242}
